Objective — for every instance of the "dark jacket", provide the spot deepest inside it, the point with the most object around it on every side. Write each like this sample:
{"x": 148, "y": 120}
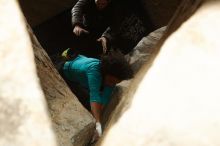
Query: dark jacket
{"x": 85, "y": 14}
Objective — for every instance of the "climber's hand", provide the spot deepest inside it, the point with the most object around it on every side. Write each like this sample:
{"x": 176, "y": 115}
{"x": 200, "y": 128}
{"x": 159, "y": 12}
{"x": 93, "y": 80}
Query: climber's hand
{"x": 103, "y": 40}
{"x": 79, "y": 30}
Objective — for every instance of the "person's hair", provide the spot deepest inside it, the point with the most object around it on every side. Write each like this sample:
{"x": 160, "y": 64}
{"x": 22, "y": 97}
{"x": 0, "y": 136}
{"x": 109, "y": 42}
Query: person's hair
{"x": 115, "y": 64}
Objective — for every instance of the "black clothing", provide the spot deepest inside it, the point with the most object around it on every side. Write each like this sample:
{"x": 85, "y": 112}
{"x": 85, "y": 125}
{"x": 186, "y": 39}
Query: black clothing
{"x": 86, "y": 14}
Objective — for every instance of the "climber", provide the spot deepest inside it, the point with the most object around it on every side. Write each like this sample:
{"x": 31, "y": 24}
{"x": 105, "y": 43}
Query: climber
{"x": 90, "y": 18}
{"x": 97, "y": 76}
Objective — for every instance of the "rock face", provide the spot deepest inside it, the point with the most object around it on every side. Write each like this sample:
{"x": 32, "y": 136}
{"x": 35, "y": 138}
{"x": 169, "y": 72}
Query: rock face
{"x": 145, "y": 49}
{"x": 177, "y": 101}
{"x": 24, "y": 119}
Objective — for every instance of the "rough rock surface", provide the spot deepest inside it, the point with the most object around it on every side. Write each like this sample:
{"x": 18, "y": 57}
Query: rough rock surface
{"x": 24, "y": 119}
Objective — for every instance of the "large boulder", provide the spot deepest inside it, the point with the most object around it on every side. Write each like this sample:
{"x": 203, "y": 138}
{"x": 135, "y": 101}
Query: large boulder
{"x": 24, "y": 118}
